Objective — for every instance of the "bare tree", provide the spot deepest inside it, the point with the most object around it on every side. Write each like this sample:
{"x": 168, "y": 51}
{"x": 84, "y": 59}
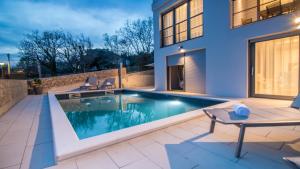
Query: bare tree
{"x": 45, "y": 47}
{"x": 52, "y": 47}
{"x": 74, "y": 51}
{"x": 135, "y": 37}
{"x": 138, "y": 35}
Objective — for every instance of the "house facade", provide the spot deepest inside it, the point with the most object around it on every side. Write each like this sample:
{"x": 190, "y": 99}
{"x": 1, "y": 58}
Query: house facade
{"x": 231, "y": 48}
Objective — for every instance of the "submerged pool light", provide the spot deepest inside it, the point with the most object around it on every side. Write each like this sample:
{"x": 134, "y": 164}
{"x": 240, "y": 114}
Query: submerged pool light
{"x": 175, "y": 102}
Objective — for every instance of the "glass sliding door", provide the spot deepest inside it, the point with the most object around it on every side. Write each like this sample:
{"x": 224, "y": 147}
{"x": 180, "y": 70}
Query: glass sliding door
{"x": 276, "y": 67}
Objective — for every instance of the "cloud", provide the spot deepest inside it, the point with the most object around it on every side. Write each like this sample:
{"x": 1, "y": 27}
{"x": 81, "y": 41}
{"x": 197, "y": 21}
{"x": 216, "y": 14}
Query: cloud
{"x": 20, "y": 17}
{"x": 8, "y": 49}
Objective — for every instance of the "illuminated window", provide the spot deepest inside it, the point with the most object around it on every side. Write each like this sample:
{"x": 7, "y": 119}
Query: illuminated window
{"x": 167, "y": 32}
{"x": 181, "y": 23}
{"x": 196, "y": 18}
{"x": 277, "y": 67}
{"x": 187, "y": 23}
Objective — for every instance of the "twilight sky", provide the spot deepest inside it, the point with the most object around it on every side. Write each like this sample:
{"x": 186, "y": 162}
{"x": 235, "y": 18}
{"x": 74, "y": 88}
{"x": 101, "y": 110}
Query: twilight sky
{"x": 93, "y": 18}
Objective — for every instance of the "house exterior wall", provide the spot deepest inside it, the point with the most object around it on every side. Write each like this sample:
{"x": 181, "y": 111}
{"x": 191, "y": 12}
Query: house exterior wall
{"x": 226, "y": 48}
{"x": 195, "y": 71}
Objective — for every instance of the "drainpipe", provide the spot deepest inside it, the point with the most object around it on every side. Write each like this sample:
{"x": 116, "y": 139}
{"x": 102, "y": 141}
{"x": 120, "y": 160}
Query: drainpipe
{"x": 120, "y": 74}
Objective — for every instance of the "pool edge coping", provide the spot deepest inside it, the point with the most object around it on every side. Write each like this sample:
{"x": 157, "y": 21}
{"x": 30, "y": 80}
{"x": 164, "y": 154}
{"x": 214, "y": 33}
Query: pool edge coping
{"x": 68, "y": 145}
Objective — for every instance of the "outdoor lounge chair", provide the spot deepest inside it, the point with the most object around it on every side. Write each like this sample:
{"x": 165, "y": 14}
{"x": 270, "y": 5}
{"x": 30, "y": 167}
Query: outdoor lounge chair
{"x": 289, "y": 116}
{"x": 294, "y": 161}
{"x": 108, "y": 84}
{"x": 90, "y": 83}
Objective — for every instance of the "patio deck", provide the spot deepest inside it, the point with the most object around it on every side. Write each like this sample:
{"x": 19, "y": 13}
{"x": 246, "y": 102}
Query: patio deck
{"x": 26, "y": 142}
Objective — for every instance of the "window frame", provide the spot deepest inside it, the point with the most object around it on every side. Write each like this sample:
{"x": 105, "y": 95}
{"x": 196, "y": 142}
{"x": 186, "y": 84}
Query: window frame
{"x": 188, "y": 19}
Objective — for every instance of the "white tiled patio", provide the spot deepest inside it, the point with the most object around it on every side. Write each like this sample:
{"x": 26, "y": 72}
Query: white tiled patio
{"x": 26, "y": 142}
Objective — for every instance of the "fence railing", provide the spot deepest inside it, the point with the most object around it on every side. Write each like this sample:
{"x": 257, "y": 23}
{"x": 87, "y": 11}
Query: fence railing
{"x": 249, "y": 11}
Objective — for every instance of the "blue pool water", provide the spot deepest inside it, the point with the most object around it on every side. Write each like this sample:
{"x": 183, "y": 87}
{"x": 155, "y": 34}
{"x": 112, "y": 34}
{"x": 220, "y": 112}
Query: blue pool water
{"x": 91, "y": 116}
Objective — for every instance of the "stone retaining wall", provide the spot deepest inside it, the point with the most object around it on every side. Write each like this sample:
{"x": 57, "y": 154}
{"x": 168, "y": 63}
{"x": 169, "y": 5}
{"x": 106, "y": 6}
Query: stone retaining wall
{"x": 74, "y": 81}
{"x": 11, "y": 92}
{"x": 77, "y": 79}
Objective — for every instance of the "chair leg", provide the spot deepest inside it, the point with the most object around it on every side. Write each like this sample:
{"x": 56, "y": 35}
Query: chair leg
{"x": 212, "y": 124}
{"x": 240, "y": 141}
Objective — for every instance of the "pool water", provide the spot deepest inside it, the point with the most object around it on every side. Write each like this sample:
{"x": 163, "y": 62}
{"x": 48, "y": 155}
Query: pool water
{"x": 93, "y": 116}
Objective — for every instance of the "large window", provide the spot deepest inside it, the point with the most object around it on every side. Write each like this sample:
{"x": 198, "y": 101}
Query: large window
{"x": 182, "y": 23}
{"x": 248, "y": 11}
{"x": 196, "y": 21}
{"x": 168, "y": 28}
{"x": 277, "y": 67}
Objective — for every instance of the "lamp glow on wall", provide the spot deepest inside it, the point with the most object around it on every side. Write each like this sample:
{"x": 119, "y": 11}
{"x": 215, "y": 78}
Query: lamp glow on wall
{"x": 297, "y": 22}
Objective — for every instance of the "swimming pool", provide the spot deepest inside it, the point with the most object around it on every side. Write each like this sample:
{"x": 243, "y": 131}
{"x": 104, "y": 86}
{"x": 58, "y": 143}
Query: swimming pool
{"x": 92, "y": 116}
{"x": 89, "y": 120}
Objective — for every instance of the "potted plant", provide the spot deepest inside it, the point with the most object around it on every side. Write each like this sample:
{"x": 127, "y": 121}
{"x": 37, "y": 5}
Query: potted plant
{"x": 37, "y": 86}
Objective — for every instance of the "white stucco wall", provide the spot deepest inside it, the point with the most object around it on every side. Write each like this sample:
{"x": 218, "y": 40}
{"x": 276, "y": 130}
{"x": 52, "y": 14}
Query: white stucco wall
{"x": 226, "y": 48}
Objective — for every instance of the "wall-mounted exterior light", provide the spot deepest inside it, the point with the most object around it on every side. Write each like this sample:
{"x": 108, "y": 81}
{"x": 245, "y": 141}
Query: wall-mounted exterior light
{"x": 180, "y": 49}
{"x": 297, "y": 20}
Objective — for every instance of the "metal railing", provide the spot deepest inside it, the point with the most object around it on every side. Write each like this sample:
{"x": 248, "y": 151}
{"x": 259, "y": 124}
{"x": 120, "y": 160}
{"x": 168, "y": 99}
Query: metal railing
{"x": 260, "y": 11}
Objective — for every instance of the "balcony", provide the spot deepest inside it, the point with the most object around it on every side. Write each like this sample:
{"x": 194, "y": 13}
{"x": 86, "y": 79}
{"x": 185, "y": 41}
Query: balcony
{"x": 248, "y": 11}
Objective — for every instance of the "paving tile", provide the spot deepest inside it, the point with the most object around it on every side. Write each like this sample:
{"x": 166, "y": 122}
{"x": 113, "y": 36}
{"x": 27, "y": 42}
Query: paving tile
{"x": 142, "y": 164}
{"x": 123, "y": 154}
{"x": 209, "y": 160}
{"x": 180, "y": 133}
{"x": 261, "y": 153}
{"x": 284, "y": 135}
{"x": 199, "y": 130}
{"x": 38, "y": 156}
{"x": 263, "y": 141}
{"x": 41, "y": 123}
{"x": 66, "y": 164}
{"x": 13, "y": 167}
{"x": 219, "y": 137}
{"x": 254, "y": 161}
{"x": 165, "y": 138}
{"x": 15, "y": 137}
{"x": 292, "y": 148}
{"x": 166, "y": 158}
{"x": 11, "y": 154}
{"x": 39, "y": 136}
{"x": 95, "y": 160}
{"x": 24, "y": 126}
{"x": 141, "y": 141}
{"x": 262, "y": 131}
{"x": 3, "y": 128}
{"x": 225, "y": 151}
